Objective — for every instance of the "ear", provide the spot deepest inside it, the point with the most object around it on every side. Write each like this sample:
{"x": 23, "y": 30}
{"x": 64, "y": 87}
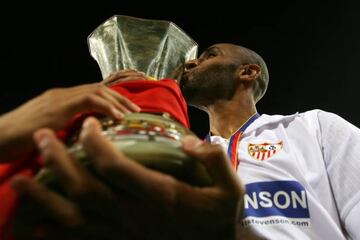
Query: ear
{"x": 249, "y": 72}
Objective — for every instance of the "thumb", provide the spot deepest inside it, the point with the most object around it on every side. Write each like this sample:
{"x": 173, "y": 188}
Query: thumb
{"x": 215, "y": 160}
{"x": 90, "y": 126}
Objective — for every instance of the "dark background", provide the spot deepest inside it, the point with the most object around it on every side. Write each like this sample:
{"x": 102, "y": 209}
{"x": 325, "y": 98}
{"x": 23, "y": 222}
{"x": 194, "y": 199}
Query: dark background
{"x": 312, "y": 48}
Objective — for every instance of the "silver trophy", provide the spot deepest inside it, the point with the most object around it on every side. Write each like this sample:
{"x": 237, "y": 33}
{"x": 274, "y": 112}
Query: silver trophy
{"x": 156, "y": 48}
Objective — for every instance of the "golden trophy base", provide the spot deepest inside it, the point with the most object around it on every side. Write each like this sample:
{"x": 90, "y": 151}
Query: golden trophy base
{"x": 151, "y": 140}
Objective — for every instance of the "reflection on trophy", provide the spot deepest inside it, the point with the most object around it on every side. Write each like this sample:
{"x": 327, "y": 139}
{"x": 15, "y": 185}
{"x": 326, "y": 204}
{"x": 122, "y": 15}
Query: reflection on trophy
{"x": 152, "y": 137}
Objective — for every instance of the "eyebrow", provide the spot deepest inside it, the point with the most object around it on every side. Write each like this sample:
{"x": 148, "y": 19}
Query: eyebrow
{"x": 209, "y": 49}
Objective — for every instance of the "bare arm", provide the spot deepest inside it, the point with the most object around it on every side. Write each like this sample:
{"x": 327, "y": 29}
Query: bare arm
{"x": 53, "y": 109}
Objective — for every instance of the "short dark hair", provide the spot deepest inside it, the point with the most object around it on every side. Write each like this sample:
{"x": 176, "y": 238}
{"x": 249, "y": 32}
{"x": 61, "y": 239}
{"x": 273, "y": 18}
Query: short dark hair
{"x": 260, "y": 87}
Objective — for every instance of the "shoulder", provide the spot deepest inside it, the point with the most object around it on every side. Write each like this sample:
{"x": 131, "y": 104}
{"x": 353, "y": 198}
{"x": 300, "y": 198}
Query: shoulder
{"x": 327, "y": 119}
{"x": 308, "y": 116}
{"x": 313, "y": 119}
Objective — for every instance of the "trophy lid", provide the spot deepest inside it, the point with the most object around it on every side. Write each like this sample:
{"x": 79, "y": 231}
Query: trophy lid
{"x": 155, "y": 47}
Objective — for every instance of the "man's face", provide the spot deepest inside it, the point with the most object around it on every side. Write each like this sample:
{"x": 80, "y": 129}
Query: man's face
{"x": 211, "y": 77}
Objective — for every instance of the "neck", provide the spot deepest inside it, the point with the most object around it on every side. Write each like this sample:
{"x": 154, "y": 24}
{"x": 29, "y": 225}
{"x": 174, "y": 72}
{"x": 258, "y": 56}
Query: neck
{"x": 226, "y": 117}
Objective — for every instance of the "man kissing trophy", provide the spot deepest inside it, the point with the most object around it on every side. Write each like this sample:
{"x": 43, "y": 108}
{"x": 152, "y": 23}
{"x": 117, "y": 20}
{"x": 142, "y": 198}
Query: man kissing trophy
{"x": 153, "y": 136}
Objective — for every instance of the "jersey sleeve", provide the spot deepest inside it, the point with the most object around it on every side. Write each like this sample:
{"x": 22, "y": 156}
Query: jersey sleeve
{"x": 340, "y": 142}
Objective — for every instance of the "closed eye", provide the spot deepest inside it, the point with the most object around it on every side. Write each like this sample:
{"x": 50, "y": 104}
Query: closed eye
{"x": 210, "y": 55}
{"x": 213, "y": 52}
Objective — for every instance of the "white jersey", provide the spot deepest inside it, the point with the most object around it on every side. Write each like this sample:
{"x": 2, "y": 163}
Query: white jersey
{"x": 302, "y": 176}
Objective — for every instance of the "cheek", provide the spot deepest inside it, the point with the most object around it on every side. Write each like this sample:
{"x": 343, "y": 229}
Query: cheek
{"x": 217, "y": 75}
{"x": 206, "y": 73}
{"x": 214, "y": 74}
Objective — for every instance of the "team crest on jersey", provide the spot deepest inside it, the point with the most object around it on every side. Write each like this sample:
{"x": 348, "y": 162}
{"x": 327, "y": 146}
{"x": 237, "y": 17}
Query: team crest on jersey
{"x": 264, "y": 151}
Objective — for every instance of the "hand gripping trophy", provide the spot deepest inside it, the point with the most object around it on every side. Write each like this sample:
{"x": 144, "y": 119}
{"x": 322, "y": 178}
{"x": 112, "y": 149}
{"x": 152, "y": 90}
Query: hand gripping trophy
{"x": 153, "y": 136}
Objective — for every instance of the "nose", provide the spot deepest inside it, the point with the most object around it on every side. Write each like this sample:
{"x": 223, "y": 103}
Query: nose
{"x": 191, "y": 64}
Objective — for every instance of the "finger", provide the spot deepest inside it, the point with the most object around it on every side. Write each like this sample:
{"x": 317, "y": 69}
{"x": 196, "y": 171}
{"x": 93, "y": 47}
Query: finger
{"x": 98, "y": 98}
{"x": 109, "y": 96}
{"x": 87, "y": 100}
{"x": 214, "y": 159}
{"x": 116, "y": 99}
{"x": 122, "y": 171}
{"x": 124, "y": 101}
{"x": 61, "y": 209}
{"x": 98, "y": 104}
{"x": 127, "y": 72}
{"x": 124, "y": 75}
{"x": 77, "y": 182}
{"x": 59, "y": 161}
